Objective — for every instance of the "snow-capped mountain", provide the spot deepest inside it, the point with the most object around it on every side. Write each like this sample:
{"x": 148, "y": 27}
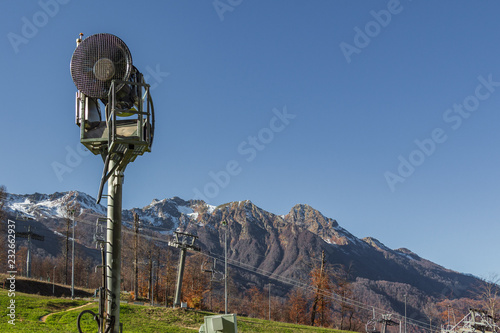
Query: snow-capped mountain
{"x": 166, "y": 214}
{"x": 50, "y": 205}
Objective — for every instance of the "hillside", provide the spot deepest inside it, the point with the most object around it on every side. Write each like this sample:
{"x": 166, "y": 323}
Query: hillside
{"x": 48, "y": 314}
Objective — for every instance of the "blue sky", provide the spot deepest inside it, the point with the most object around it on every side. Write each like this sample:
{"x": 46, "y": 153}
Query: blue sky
{"x": 380, "y": 114}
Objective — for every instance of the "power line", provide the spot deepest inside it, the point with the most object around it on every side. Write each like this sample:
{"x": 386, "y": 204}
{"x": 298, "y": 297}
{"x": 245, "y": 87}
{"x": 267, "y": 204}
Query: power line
{"x": 270, "y": 275}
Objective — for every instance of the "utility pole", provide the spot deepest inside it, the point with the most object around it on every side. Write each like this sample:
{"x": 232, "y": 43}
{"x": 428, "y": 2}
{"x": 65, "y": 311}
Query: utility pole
{"x": 73, "y": 257}
{"x": 30, "y": 235}
{"x": 28, "y": 255}
{"x": 214, "y": 275}
{"x": 136, "y": 245}
{"x": 405, "y": 312}
{"x": 224, "y": 223}
{"x": 66, "y": 255}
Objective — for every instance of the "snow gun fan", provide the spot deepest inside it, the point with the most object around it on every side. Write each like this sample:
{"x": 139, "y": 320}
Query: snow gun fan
{"x": 97, "y": 61}
{"x": 102, "y": 70}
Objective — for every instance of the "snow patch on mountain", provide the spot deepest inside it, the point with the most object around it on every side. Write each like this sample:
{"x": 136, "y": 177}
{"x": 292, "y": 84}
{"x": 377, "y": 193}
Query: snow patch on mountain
{"x": 42, "y": 205}
{"x": 210, "y": 208}
{"x": 185, "y": 210}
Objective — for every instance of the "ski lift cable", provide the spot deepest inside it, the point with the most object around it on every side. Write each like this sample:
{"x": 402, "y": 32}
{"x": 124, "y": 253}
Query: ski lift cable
{"x": 277, "y": 277}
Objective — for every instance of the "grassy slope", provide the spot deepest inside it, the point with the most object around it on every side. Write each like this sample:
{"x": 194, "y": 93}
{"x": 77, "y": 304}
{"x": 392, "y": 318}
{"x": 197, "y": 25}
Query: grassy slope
{"x": 135, "y": 318}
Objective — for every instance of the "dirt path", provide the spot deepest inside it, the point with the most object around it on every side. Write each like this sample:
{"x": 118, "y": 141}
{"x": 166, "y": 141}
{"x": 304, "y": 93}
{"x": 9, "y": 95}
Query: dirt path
{"x": 43, "y": 318}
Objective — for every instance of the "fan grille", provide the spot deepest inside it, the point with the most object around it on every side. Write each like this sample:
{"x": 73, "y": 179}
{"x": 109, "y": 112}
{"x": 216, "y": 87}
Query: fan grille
{"x": 97, "y": 61}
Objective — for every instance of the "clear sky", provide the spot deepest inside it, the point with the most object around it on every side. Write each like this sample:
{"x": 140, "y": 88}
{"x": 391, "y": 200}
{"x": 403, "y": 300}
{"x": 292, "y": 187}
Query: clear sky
{"x": 383, "y": 115}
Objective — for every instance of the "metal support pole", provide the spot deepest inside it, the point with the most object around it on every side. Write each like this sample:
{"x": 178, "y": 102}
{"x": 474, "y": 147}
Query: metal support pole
{"x": 28, "y": 256}
{"x": 180, "y": 273}
{"x": 225, "y": 269}
{"x": 29, "y": 235}
{"x": 405, "y": 313}
{"x": 73, "y": 258}
{"x": 113, "y": 246}
{"x": 103, "y": 290}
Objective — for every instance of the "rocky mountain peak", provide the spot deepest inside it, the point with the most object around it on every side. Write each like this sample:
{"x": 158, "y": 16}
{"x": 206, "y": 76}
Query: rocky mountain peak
{"x": 305, "y": 214}
{"x": 314, "y": 221}
{"x": 243, "y": 212}
{"x": 378, "y": 245}
{"x": 408, "y": 253}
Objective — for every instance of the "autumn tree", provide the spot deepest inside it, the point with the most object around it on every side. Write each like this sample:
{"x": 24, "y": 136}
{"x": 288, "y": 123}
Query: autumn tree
{"x": 255, "y": 302}
{"x": 450, "y": 311}
{"x": 278, "y": 310}
{"x": 321, "y": 283}
{"x": 194, "y": 283}
{"x": 297, "y": 306}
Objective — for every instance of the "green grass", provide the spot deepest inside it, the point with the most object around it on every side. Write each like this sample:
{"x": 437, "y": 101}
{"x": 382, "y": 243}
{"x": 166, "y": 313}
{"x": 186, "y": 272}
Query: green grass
{"x": 135, "y": 318}
{"x": 260, "y": 325}
{"x": 29, "y": 309}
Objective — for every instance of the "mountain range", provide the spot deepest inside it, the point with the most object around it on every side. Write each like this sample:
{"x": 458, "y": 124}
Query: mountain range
{"x": 264, "y": 244}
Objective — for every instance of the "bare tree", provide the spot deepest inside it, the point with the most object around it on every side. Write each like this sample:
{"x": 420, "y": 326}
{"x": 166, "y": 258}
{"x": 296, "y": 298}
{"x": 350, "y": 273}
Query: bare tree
{"x": 344, "y": 289}
{"x": 489, "y": 292}
{"x": 431, "y": 312}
